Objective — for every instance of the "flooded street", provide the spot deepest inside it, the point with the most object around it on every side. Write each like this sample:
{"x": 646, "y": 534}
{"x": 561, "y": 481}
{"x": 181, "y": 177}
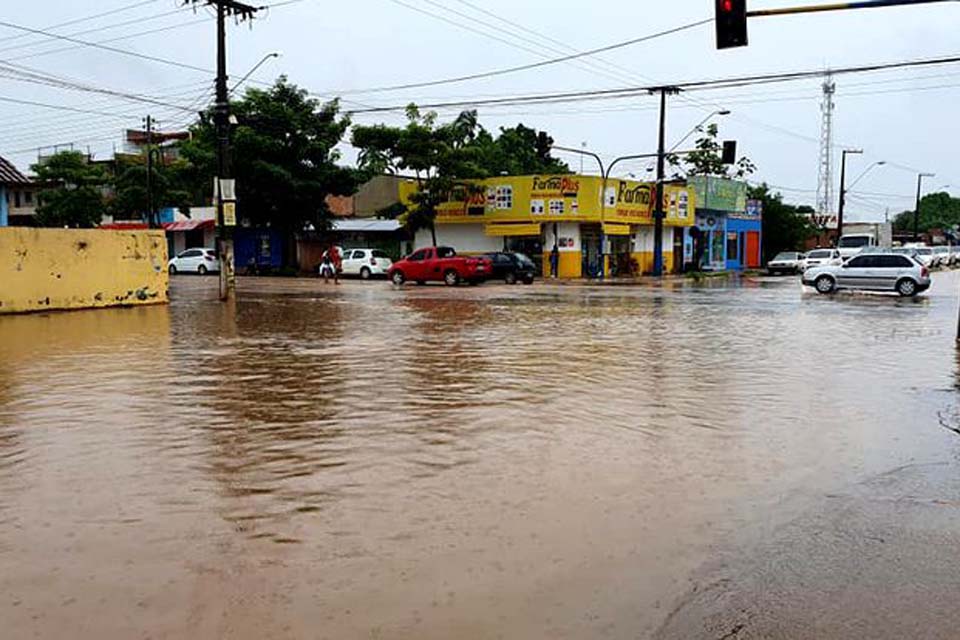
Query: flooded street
{"x": 493, "y": 462}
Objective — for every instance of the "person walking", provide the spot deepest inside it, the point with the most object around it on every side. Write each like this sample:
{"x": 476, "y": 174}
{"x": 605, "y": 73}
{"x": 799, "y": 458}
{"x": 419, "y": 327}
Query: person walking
{"x": 554, "y": 261}
{"x": 326, "y": 265}
{"x": 337, "y": 262}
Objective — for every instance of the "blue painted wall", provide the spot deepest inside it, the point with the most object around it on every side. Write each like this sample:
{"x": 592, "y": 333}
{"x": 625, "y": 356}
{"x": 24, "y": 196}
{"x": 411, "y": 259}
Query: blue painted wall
{"x": 263, "y": 246}
{"x": 4, "y": 213}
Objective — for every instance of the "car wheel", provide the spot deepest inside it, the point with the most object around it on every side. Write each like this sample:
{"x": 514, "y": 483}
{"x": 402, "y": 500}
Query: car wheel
{"x": 907, "y": 288}
{"x": 202, "y": 270}
{"x": 825, "y": 284}
{"x": 451, "y": 278}
{"x": 398, "y": 278}
{"x": 510, "y": 278}
{"x": 365, "y": 273}
{"x": 528, "y": 280}
{"x": 172, "y": 269}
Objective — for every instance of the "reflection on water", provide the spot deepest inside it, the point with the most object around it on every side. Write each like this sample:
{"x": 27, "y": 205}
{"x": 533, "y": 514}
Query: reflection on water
{"x": 360, "y": 461}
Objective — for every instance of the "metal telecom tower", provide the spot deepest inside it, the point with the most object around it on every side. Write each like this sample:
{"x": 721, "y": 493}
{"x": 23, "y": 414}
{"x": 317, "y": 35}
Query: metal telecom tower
{"x": 825, "y": 202}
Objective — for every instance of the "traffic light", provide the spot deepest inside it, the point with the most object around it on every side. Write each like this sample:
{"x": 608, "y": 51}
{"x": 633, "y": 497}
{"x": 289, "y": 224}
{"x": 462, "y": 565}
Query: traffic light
{"x": 731, "y": 23}
{"x": 729, "y": 155}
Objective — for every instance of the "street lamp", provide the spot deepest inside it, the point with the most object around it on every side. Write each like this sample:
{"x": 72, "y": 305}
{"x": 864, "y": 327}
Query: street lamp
{"x": 721, "y": 112}
{"x": 262, "y": 62}
{"x": 916, "y": 211}
{"x": 843, "y": 188}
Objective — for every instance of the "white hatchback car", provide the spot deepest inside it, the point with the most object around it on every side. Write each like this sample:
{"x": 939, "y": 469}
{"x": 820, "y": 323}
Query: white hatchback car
{"x": 886, "y": 271}
{"x": 820, "y": 258}
{"x": 202, "y": 261}
{"x": 365, "y": 263}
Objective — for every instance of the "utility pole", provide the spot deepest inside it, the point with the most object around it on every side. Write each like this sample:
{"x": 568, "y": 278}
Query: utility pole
{"x": 150, "y": 210}
{"x": 843, "y": 188}
{"x": 916, "y": 210}
{"x": 225, "y": 189}
{"x": 661, "y": 161}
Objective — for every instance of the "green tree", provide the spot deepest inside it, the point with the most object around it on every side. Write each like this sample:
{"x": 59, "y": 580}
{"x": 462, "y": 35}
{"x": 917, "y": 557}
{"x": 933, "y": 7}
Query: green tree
{"x": 169, "y": 185}
{"x": 75, "y": 197}
{"x": 285, "y": 157}
{"x": 707, "y": 159}
{"x": 443, "y": 158}
{"x": 937, "y": 211}
{"x": 785, "y": 228}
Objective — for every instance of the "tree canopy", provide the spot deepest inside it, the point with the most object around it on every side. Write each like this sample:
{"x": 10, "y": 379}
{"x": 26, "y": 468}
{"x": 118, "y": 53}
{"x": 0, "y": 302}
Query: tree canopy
{"x": 170, "y": 186}
{"x": 937, "y": 211}
{"x": 442, "y": 157}
{"x": 74, "y": 195}
{"x": 285, "y": 157}
{"x": 785, "y": 227}
{"x": 707, "y": 159}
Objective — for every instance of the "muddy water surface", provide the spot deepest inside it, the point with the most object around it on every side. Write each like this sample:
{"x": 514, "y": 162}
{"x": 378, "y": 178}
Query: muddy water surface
{"x": 366, "y": 462}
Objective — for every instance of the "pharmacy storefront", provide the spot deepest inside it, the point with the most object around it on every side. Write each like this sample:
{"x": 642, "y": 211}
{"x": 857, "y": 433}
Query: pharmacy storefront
{"x": 596, "y": 229}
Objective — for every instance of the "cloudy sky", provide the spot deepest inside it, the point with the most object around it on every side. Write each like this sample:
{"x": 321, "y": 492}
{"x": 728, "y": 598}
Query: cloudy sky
{"x": 906, "y": 118}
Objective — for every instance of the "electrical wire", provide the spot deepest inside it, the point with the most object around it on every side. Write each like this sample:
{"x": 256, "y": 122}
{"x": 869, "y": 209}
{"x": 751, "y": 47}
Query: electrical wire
{"x": 519, "y": 68}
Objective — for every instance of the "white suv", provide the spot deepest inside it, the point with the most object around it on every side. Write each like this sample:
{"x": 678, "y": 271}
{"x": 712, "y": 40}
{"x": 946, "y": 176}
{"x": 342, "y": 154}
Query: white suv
{"x": 365, "y": 263}
{"x": 820, "y": 258}
{"x": 871, "y": 271}
{"x": 202, "y": 261}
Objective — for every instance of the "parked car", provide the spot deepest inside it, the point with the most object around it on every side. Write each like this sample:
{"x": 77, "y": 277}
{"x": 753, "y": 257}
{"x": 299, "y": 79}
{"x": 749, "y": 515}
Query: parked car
{"x": 511, "y": 267}
{"x": 439, "y": 264}
{"x": 202, "y": 261}
{"x": 822, "y": 257}
{"x": 955, "y": 254}
{"x": 942, "y": 256}
{"x": 874, "y": 271}
{"x": 365, "y": 263}
{"x": 785, "y": 262}
{"x": 925, "y": 256}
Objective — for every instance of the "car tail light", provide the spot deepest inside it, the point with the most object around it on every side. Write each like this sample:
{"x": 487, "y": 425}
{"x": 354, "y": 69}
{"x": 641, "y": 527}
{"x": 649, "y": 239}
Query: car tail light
{"x": 373, "y": 262}
{"x": 208, "y": 257}
{"x": 923, "y": 272}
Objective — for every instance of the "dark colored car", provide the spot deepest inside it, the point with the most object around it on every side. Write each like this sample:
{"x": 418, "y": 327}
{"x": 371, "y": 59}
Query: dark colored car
{"x": 511, "y": 267}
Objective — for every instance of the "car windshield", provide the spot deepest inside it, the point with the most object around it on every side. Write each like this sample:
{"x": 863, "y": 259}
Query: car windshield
{"x": 445, "y": 252}
{"x": 524, "y": 260}
{"x": 818, "y": 254}
{"x": 852, "y": 242}
{"x": 786, "y": 256}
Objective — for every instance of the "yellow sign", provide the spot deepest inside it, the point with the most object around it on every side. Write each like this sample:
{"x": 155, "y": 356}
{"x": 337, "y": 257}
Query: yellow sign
{"x": 560, "y": 198}
{"x": 229, "y": 214}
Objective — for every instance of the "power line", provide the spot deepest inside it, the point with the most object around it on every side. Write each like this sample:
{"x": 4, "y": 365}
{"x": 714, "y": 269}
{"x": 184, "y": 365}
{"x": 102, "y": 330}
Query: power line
{"x": 94, "y": 45}
{"x": 117, "y": 39}
{"x": 577, "y": 96}
{"x": 525, "y": 67}
{"x": 62, "y": 108}
{"x": 88, "y": 18}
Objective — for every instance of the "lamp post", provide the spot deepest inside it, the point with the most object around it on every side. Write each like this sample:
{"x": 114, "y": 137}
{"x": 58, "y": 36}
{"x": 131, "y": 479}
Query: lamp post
{"x": 843, "y": 188}
{"x": 916, "y": 211}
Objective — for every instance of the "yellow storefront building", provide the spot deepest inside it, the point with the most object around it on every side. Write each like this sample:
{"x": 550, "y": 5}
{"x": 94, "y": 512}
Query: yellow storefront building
{"x": 596, "y": 228}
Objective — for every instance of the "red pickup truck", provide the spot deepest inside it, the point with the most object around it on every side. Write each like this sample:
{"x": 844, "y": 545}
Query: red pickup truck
{"x": 440, "y": 264}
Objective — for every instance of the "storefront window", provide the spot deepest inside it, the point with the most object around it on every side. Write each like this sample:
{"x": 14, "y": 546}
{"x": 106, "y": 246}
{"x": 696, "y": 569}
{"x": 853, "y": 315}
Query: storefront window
{"x": 732, "y": 245}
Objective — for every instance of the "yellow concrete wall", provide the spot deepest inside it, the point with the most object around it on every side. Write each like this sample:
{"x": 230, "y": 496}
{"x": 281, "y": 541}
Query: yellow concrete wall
{"x": 44, "y": 269}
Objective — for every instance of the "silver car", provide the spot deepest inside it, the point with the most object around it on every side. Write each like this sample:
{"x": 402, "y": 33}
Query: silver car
{"x": 873, "y": 272}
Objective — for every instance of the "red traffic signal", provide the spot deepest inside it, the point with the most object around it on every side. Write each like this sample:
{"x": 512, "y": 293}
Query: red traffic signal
{"x": 731, "y": 23}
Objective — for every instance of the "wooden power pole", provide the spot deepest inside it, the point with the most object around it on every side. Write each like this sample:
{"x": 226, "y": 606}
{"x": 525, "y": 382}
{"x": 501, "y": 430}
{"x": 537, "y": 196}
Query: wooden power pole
{"x": 225, "y": 187}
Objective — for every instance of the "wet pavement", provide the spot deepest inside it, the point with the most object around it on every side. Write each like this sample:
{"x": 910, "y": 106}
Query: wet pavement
{"x": 729, "y": 460}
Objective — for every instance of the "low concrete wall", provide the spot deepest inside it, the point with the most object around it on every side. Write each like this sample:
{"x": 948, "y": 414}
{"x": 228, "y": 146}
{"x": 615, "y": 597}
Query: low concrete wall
{"x": 44, "y": 269}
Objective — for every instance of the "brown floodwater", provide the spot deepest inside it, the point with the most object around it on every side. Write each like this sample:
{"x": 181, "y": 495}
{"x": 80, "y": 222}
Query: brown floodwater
{"x": 492, "y": 462}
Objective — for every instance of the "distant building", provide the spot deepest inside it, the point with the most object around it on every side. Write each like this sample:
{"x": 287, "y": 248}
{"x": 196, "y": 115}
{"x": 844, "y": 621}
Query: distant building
{"x": 18, "y": 196}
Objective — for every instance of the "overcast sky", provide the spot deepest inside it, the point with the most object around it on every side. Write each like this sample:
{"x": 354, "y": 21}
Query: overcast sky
{"x": 905, "y": 117}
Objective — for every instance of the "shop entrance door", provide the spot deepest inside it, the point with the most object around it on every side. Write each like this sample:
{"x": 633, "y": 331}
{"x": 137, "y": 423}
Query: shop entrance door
{"x": 677, "y": 250}
{"x": 753, "y": 249}
{"x": 530, "y": 246}
{"x": 590, "y": 250}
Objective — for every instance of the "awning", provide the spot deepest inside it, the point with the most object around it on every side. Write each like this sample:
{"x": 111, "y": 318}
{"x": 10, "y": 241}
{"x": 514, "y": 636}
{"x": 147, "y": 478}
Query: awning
{"x": 188, "y": 225}
{"x": 615, "y": 229}
{"x": 125, "y": 226}
{"x": 366, "y": 225}
{"x": 523, "y": 229}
